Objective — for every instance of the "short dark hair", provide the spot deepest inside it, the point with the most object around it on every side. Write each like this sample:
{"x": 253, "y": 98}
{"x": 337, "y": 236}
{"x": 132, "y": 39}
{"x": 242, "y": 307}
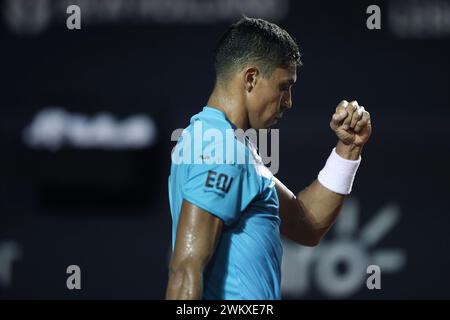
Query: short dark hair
{"x": 255, "y": 41}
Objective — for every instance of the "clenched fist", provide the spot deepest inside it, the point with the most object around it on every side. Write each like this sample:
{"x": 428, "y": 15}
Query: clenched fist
{"x": 351, "y": 123}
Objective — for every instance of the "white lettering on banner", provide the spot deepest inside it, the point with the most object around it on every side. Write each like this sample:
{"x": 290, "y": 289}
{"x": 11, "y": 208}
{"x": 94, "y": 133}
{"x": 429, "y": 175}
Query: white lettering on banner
{"x": 53, "y": 127}
{"x": 9, "y": 253}
{"x": 303, "y": 266}
{"x": 34, "y": 16}
{"x": 419, "y": 19}
{"x": 27, "y": 17}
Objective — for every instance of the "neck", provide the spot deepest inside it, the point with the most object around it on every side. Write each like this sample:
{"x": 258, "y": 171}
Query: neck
{"x": 224, "y": 100}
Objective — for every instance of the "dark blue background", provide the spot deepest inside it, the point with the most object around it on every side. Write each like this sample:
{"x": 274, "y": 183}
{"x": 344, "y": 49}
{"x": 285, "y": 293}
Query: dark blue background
{"x": 120, "y": 236}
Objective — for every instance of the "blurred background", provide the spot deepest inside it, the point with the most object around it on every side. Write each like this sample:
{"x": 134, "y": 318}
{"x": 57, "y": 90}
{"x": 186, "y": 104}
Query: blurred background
{"x": 86, "y": 118}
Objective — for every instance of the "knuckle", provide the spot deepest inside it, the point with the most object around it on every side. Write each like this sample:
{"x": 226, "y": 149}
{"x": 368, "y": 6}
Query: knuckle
{"x": 342, "y": 105}
{"x": 360, "y": 115}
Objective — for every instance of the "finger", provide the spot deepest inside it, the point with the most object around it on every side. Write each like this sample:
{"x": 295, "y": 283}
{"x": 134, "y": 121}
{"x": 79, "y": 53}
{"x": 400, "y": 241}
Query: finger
{"x": 350, "y": 108}
{"x": 365, "y": 120}
{"x": 357, "y": 115}
{"x": 341, "y": 105}
{"x": 338, "y": 117}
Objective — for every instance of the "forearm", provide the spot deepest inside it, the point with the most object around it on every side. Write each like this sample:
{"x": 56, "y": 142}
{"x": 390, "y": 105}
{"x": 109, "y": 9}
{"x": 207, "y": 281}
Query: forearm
{"x": 323, "y": 205}
{"x": 185, "y": 283}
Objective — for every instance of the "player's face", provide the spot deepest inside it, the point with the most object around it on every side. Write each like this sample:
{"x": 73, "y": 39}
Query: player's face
{"x": 271, "y": 97}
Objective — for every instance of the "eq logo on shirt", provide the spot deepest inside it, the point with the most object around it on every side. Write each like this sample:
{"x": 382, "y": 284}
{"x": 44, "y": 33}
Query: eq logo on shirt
{"x": 219, "y": 181}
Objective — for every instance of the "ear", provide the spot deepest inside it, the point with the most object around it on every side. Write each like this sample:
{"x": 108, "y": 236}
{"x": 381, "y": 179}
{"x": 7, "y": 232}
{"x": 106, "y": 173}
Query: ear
{"x": 251, "y": 76}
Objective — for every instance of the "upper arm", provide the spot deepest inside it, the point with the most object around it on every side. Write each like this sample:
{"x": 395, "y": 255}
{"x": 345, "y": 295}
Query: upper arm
{"x": 295, "y": 224}
{"x": 198, "y": 232}
{"x": 197, "y": 235}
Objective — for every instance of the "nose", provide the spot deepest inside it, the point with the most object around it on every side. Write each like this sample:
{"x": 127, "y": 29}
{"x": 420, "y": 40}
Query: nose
{"x": 287, "y": 101}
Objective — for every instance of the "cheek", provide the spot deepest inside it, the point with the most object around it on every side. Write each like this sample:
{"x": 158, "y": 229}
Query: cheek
{"x": 273, "y": 104}
{"x": 259, "y": 101}
{"x": 264, "y": 105}
{"x": 268, "y": 100}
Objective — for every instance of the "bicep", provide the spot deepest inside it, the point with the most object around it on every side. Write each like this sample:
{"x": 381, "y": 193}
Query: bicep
{"x": 198, "y": 232}
{"x": 295, "y": 224}
{"x": 289, "y": 210}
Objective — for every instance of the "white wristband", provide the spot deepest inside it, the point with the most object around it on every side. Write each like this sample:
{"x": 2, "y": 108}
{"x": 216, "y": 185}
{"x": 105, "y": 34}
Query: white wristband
{"x": 338, "y": 173}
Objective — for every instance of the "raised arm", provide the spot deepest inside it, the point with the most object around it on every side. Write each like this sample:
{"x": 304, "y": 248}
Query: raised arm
{"x": 307, "y": 216}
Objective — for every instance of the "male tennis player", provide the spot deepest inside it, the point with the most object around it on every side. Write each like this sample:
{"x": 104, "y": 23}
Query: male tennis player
{"x": 228, "y": 214}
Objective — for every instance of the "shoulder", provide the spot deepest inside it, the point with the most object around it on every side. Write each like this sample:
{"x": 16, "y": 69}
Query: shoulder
{"x": 212, "y": 140}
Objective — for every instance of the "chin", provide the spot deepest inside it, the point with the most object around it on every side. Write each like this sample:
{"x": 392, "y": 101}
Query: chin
{"x": 264, "y": 125}
{"x": 273, "y": 123}
{"x": 257, "y": 126}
